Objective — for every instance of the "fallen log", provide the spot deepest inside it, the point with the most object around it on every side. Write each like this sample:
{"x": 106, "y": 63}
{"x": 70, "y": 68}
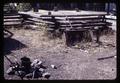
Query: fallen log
{"x": 103, "y": 58}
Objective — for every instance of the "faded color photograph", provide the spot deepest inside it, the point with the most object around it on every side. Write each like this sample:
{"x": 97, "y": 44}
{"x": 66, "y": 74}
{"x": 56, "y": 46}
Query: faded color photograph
{"x": 60, "y": 41}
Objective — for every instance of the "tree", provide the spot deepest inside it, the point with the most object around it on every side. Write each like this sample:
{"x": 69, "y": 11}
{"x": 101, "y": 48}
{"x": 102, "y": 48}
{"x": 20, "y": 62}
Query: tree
{"x": 9, "y": 8}
{"x": 24, "y": 7}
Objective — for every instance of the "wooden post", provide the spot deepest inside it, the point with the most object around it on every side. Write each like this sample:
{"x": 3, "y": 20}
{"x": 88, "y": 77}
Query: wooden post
{"x": 91, "y": 35}
{"x": 67, "y": 38}
{"x": 98, "y": 35}
{"x": 35, "y": 7}
{"x": 64, "y": 38}
{"x": 108, "y": 8}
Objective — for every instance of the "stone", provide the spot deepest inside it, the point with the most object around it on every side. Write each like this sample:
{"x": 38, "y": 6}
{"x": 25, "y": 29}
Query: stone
{"x": 76, "y": 46}
{"x": 65, "y": 51}
{"x": 46, "y": 75}
{"x": 86, "y": 51}
{"x": 29, "y": 75}
{"x": 37, "y": 65}
{"x": 10, "y": 71}
{"x": 96, "y": 28}
{"x": 34, "y": 62}
{"x": 43, "y": 66}
{"x": 105, "y": 46}
{"x": 9, "y": 78}
{"x": 14, "y": 64}
{"x": 41, "y": 70}
{"x": 53, "y": 66}
{"x": 115, "y": 56}
{"x": 21, "y": 73}
{"x": 36, "y": 74}
{"x": 40, "y": 62}
{"x": 15, "y": 67}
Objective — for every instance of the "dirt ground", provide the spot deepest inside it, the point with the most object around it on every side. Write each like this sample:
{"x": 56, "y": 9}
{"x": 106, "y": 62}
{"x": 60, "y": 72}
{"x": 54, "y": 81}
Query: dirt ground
{"x": 74, "y": 63}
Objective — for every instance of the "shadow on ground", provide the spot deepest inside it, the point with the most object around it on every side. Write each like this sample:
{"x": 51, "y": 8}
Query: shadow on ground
{"x": 12, "y": 44}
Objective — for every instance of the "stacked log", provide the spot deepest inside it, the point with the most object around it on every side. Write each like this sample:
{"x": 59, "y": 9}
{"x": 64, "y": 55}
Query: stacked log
{"x": 76, "y": 24}
{"x": 12, "y": 20}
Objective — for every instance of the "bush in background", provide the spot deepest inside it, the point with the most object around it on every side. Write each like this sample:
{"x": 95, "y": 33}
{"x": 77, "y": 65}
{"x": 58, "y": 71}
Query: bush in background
{"x": 10, "y": 8}
{"x": 24, "y": 7}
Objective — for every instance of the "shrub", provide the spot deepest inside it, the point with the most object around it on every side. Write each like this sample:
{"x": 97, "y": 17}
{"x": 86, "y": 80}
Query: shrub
{"x": 10, "y": 8}
{"x": 24, "y": 7}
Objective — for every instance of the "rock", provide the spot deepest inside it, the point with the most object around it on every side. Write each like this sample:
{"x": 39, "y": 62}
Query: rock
{"x": 38, "y": 65}
{"x": 15, "y": 67}
{"x": 105, "y": 46}
{"x": 36, "y": 62}
{"x": 43, "y": 66}
{"x": 115, "y": 56}
{"x": 65, "y": 51}
{"x": 40, "y": 73}
{"x": 41, "y": 70}
{"x": 53, "y": 66}
{"x": 20, "y": 73}
{"x": 14, "y": 64}
{"x": 16, "y": 60}
{"x": 95, "y": 27}
{"x": 40, "y": 62}
{"x": 86, "y": 51}
{"x": 29, "y": 75}
{"x": 76, "y": 46}
{"x": 81, "y": 50}
{"x": 10, "y": 71}
{"x": 46, "y": 75}
{"x": 36, "y": 74}
{"x": 9, "y": 78}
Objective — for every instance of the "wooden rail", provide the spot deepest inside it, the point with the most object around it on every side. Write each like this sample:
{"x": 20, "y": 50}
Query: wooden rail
{"x": 79, "y": 23}
{"x": 77, "y": 20}
{"x": 66, "y": 23}
{"x": 12, "y": 19}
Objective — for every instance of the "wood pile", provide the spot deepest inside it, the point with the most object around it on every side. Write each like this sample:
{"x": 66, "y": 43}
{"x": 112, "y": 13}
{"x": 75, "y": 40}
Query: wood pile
{"x": 76, "y": 24}
{"x": 34, "y": 22}
{"x": 58, "y": 24}
{"x": 77, "y": 21}
{"x": 12, "y": 20}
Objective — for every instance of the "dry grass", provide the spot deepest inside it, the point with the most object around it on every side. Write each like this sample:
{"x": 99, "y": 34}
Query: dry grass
{"x": 37, "y": 38}
{"x": 76, "y": 63}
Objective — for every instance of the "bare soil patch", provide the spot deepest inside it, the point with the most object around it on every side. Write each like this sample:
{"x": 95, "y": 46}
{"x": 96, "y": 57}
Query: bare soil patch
{"x": 73, "y": 62}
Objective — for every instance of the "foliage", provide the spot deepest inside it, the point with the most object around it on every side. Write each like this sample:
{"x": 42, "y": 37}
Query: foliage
{"x": 9, "y": 8}
{"x": 24, "y": 7}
